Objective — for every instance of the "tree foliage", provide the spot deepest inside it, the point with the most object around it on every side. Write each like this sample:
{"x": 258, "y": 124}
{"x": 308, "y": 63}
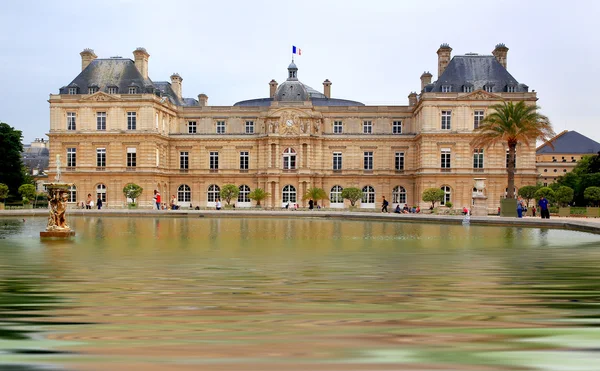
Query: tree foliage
{"x": 315, "y": 193}
{"x": 3, "y": 191}
{"x": 433, "y": 195}
{"x": 12, "y": 170}
{"x": 229, "y": 192}
{"x": 352, "y": 194}
{"x": 585, "y": 174}
{"x": 258, "y": 194}
{"x": 513, "y": 123}
{"x": 132, "y": 191}
{"x": 27, "y": 191}
{"x": 528, "y": 193}
{"x": 563, "y": 195}
{"x": 592, "y": 194}
{"x": 546, "y": 192}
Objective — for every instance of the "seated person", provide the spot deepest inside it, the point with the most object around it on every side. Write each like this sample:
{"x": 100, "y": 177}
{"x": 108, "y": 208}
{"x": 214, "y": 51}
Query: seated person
{"x": 405, "y": 209}
{"x": 465, "y": 210}
{"x": 418, "y": 210}
{"x": 413, "y": 210}
{"x": 397, "y": 211}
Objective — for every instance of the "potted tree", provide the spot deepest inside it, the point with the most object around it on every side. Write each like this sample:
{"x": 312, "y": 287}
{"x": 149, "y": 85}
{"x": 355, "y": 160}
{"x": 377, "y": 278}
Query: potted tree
{"x": 592, "y": 194}
{"x": 352, "y": 194}
{"x": 132, "y": 192}
{"x": 433, "y": 195}
{"x": 27, "y": 192}
{"x": 258, "y": 194}
{"x": 229, "y": 192}
{"x": 3, "y": 194}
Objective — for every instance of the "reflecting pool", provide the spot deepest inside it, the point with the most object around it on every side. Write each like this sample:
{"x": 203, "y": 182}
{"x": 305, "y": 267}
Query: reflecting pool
{"x": 296, "y": 294}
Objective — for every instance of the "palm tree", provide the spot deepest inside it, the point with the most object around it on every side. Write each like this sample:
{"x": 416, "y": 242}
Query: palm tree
{"x": 315, "y": 193}
{"x": 513, "y": 124}
{"x": 258, "y": 194}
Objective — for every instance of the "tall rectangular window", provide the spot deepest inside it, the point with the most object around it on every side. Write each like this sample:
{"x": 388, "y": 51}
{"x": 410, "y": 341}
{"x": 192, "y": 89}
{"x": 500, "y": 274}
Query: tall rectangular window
{"x": 100, "y": 157}
{"x": 477, "y": 117}
{"x": 367, "y": 127}
{"x": 191, "y": 127}
{"x": 446, "y": 120}
{"x": 445, "y": 158}
{"x": 71, "y": 121}
{"x": 244, "y": 160}
{"x": 249, "y": 127}
{"x": 100, "y": 120}
{"x": 184, "y": 163}
{"x": 515, "y": 158}
{"x": 478, "y": 158}
{"x": 220, "y": 127}
{"x": 399, "y": 163}
{"x": 131, "y": 157}
{"x": 71, "y": 157}
{"x": 397, "y": 127}
{"x": 337, "y": 160}
{"x": 368, "y": 161}
{"x": 214, "y": 160}
{"x": 131, "y": 120}
{"x": 338, "y": 127}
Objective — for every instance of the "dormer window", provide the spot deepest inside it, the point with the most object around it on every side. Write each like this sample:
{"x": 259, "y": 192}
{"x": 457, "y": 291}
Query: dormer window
{"x": 112, "y": 90}
{"x": 511, "y": 88}
{"x": 488, "y": 88}
{"x": 72, "y": 91}
{"x": 467, "y": 88}
{"x": 132, "y": 90}
{"x": 446, "y": 88}
{"x": 92, "y": 89}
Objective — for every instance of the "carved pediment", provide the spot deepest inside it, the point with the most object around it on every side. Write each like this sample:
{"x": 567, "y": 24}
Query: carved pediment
{"x": 480, "y": 95}
{"x": 99, "y": 97}
{"x": 288, "y": 121}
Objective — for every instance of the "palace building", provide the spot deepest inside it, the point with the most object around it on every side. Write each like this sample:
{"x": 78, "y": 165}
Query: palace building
{"x": 112, "y": 125}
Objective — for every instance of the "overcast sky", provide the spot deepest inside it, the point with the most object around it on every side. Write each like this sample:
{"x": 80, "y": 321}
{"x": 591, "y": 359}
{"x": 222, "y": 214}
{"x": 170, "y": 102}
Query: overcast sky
{"x": 372, "y": 51}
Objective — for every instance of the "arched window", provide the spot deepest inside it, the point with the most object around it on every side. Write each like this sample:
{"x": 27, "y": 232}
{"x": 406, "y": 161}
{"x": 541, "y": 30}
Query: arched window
{"x": 243, "y": 196}
{"x": 398, "y": 195}
{"x": 447, "y": 195}
{"x": 335, "y": 196}
{"x": 214, "y": 193}
{"x": 289, "y": 159}
{"x": 184, "y": 193}
{"x": 72, "y": 193}
{"x": 101, "y": 192}
{"x": 368, "y": 195}
{"x": 289, "y": 194}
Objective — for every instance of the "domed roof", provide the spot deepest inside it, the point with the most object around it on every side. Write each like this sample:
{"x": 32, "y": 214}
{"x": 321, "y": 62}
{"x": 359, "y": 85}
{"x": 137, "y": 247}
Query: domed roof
{"x": 293, "y": 90}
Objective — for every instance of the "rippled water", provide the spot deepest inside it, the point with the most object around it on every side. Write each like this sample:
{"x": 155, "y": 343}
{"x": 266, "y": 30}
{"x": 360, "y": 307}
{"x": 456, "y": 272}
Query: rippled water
{"x": 303, "y": 294}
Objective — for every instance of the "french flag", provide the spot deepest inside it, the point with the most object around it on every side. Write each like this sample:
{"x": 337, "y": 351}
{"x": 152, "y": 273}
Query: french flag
{"x": 296, "y": 50}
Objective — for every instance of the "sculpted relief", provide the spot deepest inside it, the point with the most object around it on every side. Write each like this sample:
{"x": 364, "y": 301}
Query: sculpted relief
{"x": 293, "y": 123}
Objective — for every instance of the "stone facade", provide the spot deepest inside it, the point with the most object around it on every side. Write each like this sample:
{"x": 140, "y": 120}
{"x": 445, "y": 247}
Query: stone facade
{"x": 153, "y": 137}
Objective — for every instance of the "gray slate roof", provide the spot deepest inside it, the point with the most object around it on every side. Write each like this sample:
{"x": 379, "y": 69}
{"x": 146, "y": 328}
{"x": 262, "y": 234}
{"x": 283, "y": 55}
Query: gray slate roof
{"x": 36, "y": 158}
{"x": 570, "y": 142}
{"x": 476, "y": 71}
{"x": 123, "y": 74}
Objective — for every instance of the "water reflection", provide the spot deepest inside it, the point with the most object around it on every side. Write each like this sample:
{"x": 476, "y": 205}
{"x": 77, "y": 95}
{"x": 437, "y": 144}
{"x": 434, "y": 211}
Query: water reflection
{"x": 301, "y": 294}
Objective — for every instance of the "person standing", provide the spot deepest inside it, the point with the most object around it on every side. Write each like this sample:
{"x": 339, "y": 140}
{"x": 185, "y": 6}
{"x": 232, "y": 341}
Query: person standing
{"x": 99, "y": 202}
{"x": 311, "y": 204}
{"x": 533, "y": 210}
{"x": 218, "y": 205}
{"x": 519, "y": 208}
{"x": 384, "y": 205}
{"x": 89, "y": 203}
{"x": 543, "y": 204}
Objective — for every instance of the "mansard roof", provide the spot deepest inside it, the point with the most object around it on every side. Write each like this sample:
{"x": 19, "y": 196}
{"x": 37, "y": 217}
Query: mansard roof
{"x": 476, "y": 71}
{"x": 570, "y": 142}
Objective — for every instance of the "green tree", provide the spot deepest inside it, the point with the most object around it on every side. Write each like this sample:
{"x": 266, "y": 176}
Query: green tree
{"x": 11, "y": 166}
{"x": 352, "y": 194}
{"x": 592, "y": 194}
{"x": 433, "y": 195}
{"x": 316, "y": 194}
{"x": 27, "y": 191}
{"x": 258, "y": 194}
{"x": 229, "y": 192}
{"x": 528, "y": 193}
{"x": 132, "y": 191}
{"x": 512, "y": 124}
{"x": 3, "y": 191}
{"x": 563, "y": 195}
{"x": 547, "y": 192}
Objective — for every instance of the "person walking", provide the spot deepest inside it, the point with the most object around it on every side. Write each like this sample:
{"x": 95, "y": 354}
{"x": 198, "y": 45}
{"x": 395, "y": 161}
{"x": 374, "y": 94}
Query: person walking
{"x": 384, "y": 205}
{"x": 156, "y": 199}
{"x": 543, "y": 204}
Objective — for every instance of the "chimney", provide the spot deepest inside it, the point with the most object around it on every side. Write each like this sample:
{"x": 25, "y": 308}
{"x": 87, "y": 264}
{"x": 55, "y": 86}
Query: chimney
{"x": 176, "y": 84}
{"x": 140, "y": 56}
{"x": 87, "y": 56}
{"x": 412, "y": 99}
{"x": 327, "y": 88}
{"x": 444, "y": 54}
{"x": 203, "y": 100}
{"x": 500, "y": 53}
{"x": 425, "y": 79}
{"x": 272, "y": 88}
